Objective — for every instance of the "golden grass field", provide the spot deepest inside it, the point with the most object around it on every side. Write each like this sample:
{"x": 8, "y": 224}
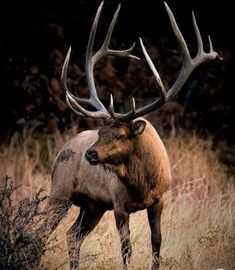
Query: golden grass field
{"x": 198, "y": 221}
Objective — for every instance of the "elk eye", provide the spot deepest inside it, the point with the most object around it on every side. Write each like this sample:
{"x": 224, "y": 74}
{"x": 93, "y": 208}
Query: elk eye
{"x": 121, "y": 137}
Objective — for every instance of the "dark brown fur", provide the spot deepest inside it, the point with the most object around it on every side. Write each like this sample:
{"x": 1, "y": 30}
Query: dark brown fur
{"x": 131, "y": 173}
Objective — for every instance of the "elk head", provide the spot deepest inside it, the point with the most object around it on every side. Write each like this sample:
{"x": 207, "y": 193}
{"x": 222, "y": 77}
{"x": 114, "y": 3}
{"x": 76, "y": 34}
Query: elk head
{"x": 117, "y": 140}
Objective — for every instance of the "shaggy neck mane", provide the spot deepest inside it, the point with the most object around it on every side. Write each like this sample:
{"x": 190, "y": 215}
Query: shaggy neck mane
{"x": 140, "y": 173}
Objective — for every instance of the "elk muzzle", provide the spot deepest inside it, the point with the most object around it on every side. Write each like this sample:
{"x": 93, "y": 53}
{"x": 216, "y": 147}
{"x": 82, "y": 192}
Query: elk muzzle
{"x": 92, "y": 156}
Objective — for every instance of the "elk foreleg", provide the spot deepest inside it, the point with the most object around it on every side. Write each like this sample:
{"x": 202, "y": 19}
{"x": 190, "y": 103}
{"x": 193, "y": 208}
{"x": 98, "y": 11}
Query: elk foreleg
{"x": 122, "y": 223}
{"x": 154, "y": 218}
{"x": 85, "y": 223}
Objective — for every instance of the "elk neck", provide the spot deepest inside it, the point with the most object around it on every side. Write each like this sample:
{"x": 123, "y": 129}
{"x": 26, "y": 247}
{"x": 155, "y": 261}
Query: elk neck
{"x": 145, "y": 169}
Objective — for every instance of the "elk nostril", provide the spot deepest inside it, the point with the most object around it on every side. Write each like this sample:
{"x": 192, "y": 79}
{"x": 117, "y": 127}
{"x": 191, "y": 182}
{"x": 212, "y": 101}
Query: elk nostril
{"x": 91, "y": 155}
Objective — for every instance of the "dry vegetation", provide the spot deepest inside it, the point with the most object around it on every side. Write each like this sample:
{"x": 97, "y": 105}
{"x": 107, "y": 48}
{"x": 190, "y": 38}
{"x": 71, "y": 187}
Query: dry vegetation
{"x": 198, "y": 222}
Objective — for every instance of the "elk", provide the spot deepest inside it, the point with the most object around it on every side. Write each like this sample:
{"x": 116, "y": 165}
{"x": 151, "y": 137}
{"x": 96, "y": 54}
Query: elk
{"x": 124, "y": 165}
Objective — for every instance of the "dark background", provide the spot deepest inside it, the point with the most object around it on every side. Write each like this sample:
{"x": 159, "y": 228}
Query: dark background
{"x": 33, "y": 32}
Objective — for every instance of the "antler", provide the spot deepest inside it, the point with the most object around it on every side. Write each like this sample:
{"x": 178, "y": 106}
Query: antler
{"x": 76, "y": 103}
{"x": 188, "y": 65}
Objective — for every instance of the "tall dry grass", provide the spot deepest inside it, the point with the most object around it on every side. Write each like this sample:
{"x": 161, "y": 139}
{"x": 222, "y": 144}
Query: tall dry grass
{"x": 198, "y": 221}
{"x": 29, "y": 157}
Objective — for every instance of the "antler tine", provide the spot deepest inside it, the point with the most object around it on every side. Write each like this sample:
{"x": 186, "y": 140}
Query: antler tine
{"x": 111, "y": 108}
{"x": 80, "y": 111}
{"x": 72, "y": 108}
{"x": 117, "y": 116}
{"x": 89, "y": 66}
{"x": 104, "y": 50}
{"x": 212, "y": 50}
{"x": 188, "y": 65}
{"x": 198, "y": 36}
{"x": 155, "y": 72}
{"x": 64, "y": 72}
{"x": 64, "y": 79}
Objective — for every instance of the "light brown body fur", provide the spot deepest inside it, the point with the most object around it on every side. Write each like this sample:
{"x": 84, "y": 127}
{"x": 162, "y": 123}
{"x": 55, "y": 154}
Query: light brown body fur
{"x": 74, "y": 175}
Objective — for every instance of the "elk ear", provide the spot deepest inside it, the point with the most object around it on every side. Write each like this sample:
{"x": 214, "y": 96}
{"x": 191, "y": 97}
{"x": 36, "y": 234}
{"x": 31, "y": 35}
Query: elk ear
{"x": 138, "y": 126}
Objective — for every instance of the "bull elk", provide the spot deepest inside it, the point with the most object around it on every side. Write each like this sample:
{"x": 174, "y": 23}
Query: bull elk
{"x": 124, "y": 165}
